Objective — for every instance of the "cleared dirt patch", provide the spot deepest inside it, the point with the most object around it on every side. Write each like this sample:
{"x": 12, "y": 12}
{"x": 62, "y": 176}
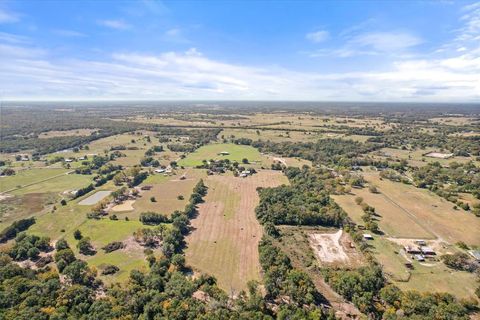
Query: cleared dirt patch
{"x": 125, "y": 206}
{"x": 327, "y": 247}
{"x": 224, "y": 242}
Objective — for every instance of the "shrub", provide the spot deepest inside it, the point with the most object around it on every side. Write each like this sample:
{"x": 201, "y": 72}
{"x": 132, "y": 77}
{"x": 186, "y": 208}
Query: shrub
{"x": 113, "y": 246}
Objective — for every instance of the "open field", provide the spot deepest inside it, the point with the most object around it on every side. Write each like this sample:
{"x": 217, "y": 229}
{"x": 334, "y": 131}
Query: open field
{"x": 76, "y": 132}
{"x": 27, "y": 177}
{"x": 393, "y": 219}
{"x": 272, "y": 135}
{"x": 433, "y": 213}
{"x": 166, "y": 190}
{"x": 58, "y": 184}
{"x": 224, "y": 242}
{"x": 211, "y": 151}
{"x": 418, "y": 157}
{"x": 103, "y": 231}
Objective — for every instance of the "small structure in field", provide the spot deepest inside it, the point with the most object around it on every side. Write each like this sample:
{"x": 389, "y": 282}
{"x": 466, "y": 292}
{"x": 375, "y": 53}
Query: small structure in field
{"x": 421, "y": 242}
{"x": 159, "y": 170}
{"x": 419, "y": 257}
{"x": 224, "y": 153}
{"x": 428, "y": 251}
{"x": 245, "y": 173}
{"x": 475, "y": 254}
{"x": 439, "y": 155}
{"x": 412, "y": 250}
{"x": 148, "y": 187}
{"x": 68, "y": 160}
{"x": 367, "y": 236}
{"x": 409, "y": 265}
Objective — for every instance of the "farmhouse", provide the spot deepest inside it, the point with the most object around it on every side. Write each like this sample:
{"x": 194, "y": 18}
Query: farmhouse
{"x": 428, "y": 251}
{"x": 412, "y": 250}
{"x": 421, "y": 242}
{"x": 419, "y": 257}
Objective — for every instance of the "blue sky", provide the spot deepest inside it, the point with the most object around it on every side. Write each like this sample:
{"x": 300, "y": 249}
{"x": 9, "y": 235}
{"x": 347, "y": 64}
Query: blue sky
{"x": 245, "y": 50}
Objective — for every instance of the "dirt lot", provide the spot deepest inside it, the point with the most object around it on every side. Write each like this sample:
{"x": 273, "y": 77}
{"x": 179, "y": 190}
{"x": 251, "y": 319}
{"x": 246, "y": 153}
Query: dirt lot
{"x": 226, "y": 233}
{"x": 334, "y": 248}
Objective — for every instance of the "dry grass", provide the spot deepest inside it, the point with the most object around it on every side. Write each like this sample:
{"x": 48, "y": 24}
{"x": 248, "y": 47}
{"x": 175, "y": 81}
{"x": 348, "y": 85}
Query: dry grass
{"x": 226, "y": 233}
{"x": 76, "y": 132}
{"x": 393, "y": 219}
{"x": 433, "y": 213}
{"x": 165, "y": 190}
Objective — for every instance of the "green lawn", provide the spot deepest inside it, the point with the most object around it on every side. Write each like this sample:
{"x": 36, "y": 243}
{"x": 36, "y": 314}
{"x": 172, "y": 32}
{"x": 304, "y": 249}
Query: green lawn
{"x": 28, "y": 176}
{"x": 211, "y": 151}
{"x": 59, "y": 184}
{"x": 104, "y": 231}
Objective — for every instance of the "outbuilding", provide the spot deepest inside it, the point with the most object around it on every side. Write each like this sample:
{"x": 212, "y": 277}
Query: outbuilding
{"x": 367, "y": 236}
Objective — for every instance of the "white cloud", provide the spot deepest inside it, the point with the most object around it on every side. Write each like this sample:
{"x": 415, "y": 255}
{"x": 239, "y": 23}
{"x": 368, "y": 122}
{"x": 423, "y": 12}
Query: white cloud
{"x": 68, "y": 33}
{"x": 13, "y": 38}
{"x": 317, "y": 36}
{"x": 452, "y": 75}
{"x": 8, "y": 17}
{"x": 115, "y": 24}
{"x": 191, "y": 75}
{"x": 385, "y": 41}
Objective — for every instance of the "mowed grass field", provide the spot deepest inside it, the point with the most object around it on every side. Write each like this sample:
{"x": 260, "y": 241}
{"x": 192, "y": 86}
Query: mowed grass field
{"x": 101, "y": 232}
{"x": 40, "y": 194}
{"x": 417, "y": 158}
{"x": 272, "y": 135}
{"x": 433, "y": 213}
{"x": 393, "y": 220}
{"x": 166, "y": 191}
{"x": 211, "y": 151}
{"x": 225, "y": 236}
{"x": 28, "y": 176}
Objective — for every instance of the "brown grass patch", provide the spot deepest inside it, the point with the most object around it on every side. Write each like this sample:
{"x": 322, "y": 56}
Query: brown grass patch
{"x": 432, "y": 212}
{"x": 226, "y": 244}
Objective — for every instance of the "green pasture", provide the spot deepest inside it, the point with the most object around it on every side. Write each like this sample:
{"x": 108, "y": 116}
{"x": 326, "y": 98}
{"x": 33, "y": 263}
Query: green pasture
{"x": 211, "y": 151}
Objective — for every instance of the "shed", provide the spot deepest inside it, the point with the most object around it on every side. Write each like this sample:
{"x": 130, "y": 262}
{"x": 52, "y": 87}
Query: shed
{"x": 475, "y": 254}
{"x": 419, "y": 257}
{"x": 412, "y": 250}
{"x": 428, "y": 251}
{"x": 224, "y": 153}
{"x": 367, "y": 236}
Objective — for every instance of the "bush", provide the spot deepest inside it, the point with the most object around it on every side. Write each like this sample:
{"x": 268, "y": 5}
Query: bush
{"x": 152, "y": 218}
{"x": 77, "y": 234}
{"x": 110, "y": 269}
{"x": 85, "y": 247}
{"x": 113, "y": 246}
